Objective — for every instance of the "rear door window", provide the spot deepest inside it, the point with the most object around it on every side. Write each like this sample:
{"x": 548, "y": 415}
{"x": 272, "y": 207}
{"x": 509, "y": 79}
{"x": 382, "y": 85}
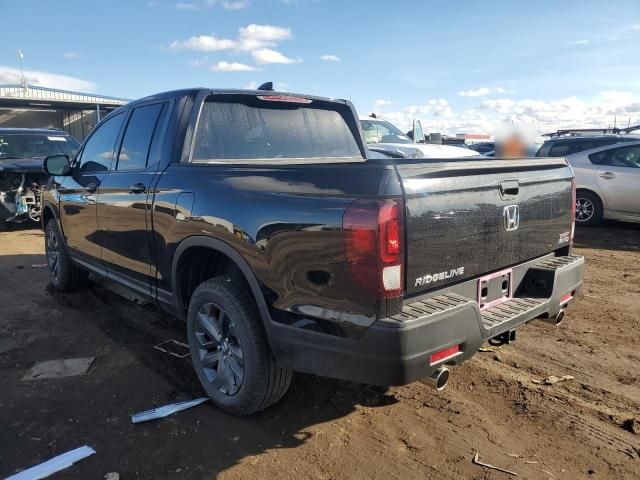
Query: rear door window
{"x": 618, "y": 157}
{"x": 240, "y": 127}
{"x": 98, "y": 151}
{"x": 136, "y": 143}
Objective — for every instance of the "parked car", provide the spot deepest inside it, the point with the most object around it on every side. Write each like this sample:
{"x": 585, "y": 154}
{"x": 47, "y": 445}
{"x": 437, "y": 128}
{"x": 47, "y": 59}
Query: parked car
{"x": 21, "y": 177}
{"x": 488, "y": 149}
{"x": 382, "y": 136}
{"x": 608, "y": 183}
{"x": 568, "y": 145}
{"x": 287, "y": 251}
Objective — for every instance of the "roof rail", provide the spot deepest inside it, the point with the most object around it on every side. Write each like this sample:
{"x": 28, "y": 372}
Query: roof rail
{"x": 592, "y": 131}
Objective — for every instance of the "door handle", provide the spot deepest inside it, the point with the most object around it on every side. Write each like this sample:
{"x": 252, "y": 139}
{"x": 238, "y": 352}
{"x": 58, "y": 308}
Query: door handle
{"x": 509, "y": 188}
{"x": 138, "y": 188}
{"x": 91, "y": 187}
{"x": 608, "y": 175}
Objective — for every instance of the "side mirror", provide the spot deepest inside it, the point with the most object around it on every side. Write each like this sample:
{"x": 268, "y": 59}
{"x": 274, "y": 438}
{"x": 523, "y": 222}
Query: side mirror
{"x": 57, "y": 165}
{"x": 418, "y": 133}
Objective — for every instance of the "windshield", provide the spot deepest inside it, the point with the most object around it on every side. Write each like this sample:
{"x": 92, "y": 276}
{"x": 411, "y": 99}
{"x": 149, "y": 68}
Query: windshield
{"x": 30, "y": 145}
{"x": 250, "y": 128}
{"x": 379, "y": 131}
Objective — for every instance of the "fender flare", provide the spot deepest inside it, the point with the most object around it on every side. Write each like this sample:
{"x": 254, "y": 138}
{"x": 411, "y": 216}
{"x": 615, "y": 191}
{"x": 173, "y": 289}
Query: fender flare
{"x": 234, "y": 256}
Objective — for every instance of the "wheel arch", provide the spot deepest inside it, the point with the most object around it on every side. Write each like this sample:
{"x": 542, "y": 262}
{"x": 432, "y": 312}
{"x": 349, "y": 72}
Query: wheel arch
{"x": 593, "y": 192}
{"x": 222, "y": 248}
{"x": 48, "y": 213}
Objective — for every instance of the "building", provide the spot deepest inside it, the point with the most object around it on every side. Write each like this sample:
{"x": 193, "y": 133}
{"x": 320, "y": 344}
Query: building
{"x": 471, "y": 138}
{"x": 77, "y": 113}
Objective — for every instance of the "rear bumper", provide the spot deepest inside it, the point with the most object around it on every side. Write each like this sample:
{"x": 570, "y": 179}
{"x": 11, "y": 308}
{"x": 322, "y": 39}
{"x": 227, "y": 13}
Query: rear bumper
{"x": 397, "y": 350}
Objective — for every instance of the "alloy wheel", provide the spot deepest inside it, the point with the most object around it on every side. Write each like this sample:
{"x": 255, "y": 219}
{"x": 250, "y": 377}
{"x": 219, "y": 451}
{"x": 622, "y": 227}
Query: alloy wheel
{"x": 53, "y": 253}
{"x": 220, "y": 352}
{"x": 584, "y": 210}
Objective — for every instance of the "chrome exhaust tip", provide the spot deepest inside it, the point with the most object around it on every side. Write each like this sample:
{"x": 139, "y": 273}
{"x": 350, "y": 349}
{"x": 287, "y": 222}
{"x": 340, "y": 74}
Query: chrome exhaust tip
{"x": 438, "y": 380}
{"x": 556, "y": 319}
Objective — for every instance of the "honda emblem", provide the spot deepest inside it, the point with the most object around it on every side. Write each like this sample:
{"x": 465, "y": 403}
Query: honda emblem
{"x": 511, "y": 217}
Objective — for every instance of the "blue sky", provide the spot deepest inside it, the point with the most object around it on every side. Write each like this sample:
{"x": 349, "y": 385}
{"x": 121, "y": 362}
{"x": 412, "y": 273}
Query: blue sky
{"x": 464, "y": 65}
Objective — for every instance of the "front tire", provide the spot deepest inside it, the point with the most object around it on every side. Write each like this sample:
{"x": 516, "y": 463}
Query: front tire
{"x": 229, "y": 349}
{"x": 64, "y": 275}
{"x": 588, "y": 209}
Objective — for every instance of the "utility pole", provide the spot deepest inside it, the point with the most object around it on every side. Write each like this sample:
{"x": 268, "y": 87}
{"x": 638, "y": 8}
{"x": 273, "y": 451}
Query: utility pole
{"x": 22, "y": 82}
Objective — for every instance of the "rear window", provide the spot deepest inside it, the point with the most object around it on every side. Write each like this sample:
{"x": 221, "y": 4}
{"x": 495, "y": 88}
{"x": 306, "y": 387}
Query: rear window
{"x": 247, "y": 128}
{"x": 561, "y": 148}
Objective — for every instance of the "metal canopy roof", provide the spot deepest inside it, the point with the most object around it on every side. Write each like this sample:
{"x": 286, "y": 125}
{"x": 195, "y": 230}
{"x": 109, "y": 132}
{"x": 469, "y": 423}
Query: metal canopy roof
{"x": 31, "y": 96}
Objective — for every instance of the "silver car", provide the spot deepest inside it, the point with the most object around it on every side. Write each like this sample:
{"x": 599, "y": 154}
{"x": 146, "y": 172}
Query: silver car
{"x": 607, "y": 183}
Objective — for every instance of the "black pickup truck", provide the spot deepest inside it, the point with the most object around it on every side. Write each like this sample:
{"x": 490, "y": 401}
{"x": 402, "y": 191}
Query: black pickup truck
{"x": 262, "y": 220}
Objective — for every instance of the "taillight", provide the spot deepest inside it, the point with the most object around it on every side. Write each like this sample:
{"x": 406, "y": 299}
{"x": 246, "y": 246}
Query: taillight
{"x": 573, "y": 209}
{"x": 284, "y": 98}
{"x": 373, "y": 239}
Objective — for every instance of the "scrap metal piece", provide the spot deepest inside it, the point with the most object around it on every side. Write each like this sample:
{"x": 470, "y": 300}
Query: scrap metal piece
{"x": 166, "y": 410}
{"x": 54, "y": 465}
{"x": 173, "y": 342}
{"x": 492, "y": 467}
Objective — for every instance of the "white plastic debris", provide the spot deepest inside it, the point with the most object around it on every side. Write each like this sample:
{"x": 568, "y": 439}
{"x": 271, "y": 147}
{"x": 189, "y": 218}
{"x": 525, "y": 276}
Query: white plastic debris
{"x": 166, "y": 410}
{"x": 54, "y": 465}
{"x": 65, "y": 367}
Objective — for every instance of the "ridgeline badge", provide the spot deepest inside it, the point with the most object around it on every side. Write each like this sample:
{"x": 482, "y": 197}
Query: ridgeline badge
{"x": 436, "y": 277}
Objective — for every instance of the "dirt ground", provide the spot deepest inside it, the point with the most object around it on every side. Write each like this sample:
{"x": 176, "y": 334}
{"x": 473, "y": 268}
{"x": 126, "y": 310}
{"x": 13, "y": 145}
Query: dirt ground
{"x": 587, "y": 427}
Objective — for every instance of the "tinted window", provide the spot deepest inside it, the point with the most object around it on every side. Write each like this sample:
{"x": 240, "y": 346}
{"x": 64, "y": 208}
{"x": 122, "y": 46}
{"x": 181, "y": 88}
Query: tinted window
{"x": 599, "y": 158}
{"x": 137, "y": 138}
{"x": 625, "y": 157}
{"x": 249, "y": 128}
{"x": 559, "y": 149}
{"x": 618, "y": 157}
{"x": 98, "y": 151}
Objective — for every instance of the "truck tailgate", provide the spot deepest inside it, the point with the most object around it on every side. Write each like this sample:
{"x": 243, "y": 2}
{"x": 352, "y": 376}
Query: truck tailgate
{"x": 467, "y": 218}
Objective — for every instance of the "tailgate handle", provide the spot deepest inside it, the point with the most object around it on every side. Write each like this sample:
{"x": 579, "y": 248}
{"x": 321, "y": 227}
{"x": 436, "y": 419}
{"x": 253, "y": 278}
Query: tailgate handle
{"x": 509, "y": 188}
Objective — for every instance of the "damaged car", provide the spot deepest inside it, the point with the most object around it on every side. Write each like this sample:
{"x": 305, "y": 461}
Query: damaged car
{"x": 21, "y": 176}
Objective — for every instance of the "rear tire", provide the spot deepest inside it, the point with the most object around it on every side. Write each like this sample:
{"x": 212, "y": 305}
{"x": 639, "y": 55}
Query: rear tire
{"x": 229, "y": 349}
{"x": 64, "y": 275}
{"x": 588, "y": 209}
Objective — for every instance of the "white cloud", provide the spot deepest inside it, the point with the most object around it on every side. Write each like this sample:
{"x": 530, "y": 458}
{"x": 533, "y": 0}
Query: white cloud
{"x": 45, "y": 79}
{"x": 580, "y": 42}
{"x": 72, "y": 55}
{"x": 229, "y": 4}
{"x": 203, "y": 43}
{"x": 186, "y": 6}
{"x": 266, "y": 55}
{"x": 437, "y": 107}
{"x": 541, "y": 115}
{"x": 330, "y": 58}
{"x": 255, "y": 36}
{"x": 251, "y": 85}
{"x": 251, "y": 37}
{"x": 232, "y": 67}
{"x": 635, "y": 28}
{"x": 381, "y": 101}
{"x": 237, "y": 5}
{"x": 482, "y": 91}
